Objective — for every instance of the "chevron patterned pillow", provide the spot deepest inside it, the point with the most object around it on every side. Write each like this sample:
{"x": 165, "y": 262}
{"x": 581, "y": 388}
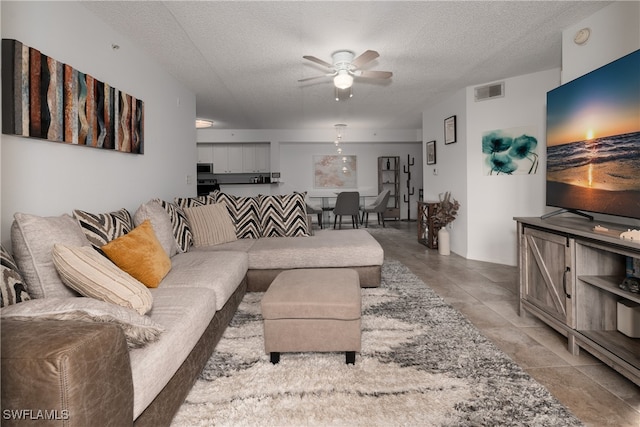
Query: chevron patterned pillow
{"x": 194, "y": 202}
{"x": 12, "y": 287}
{"x": 244, "y": 212}
{"x": 100, "y": 229}
{"x": 181, "y": 230}
{"x": 283, "y": 215}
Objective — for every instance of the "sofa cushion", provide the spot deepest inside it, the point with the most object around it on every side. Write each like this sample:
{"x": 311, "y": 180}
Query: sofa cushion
{"x": 184, "y": 313}
{"x": 327, "y": 248}
{"x": 283, "y": 215}
{"x": 162, "y": 227}
{"x": 180, "y": 224}
{"x": 100, "y": 229}
{"x": 211, "y": 224}
{"x": 139, "y": 330}
{"x": 12, "y": 287}
{"x": 244, "y": 213}
{"x": 220, "y": 271}
{"x": 92, "y": 275}
{"x": 240, "y": 245}
{"x": 140, "y": 254}
{"x": 32, "y": 239}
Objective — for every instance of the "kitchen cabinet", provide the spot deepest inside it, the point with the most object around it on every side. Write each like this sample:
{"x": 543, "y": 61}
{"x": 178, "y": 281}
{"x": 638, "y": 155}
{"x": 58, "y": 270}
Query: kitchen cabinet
{"x": 227, "y": 158}
{"x": 236, "y": 158}
{"x": 205, "y": 153}
{"x": 570, "y": 275}
{"x": 255, "y": 158}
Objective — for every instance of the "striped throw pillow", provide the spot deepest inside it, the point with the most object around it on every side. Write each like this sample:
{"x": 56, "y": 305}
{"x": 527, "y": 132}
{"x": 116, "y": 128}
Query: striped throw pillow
{"x": 90, "y": 274}
{"x": 211, "y": 224}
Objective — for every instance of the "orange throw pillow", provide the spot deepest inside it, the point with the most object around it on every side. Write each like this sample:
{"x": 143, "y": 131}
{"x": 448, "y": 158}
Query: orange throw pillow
{"x": 140, "y": 254}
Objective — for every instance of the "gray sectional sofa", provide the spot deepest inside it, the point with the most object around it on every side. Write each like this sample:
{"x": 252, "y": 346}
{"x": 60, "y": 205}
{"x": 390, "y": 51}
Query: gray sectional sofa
{"x": 56, "y": 365}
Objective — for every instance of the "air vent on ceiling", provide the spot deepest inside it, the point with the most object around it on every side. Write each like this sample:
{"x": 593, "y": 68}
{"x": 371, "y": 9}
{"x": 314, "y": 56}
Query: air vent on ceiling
{"x": 493, "y": 90}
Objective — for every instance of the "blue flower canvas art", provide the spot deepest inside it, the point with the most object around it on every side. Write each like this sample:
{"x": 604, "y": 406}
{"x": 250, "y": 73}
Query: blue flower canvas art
{"x": 510, "y": 151}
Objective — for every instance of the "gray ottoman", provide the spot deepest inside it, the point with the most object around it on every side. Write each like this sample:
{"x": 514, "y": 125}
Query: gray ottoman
{"x": 313, "y": 310}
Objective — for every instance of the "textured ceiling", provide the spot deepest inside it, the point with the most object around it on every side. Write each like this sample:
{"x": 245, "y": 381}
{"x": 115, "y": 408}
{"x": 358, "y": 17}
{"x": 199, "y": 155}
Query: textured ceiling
{"x": 243, "y": 59}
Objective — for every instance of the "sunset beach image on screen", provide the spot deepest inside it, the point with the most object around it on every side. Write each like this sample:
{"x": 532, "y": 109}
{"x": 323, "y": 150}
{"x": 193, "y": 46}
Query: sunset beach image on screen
{"x": 593, "y": 141}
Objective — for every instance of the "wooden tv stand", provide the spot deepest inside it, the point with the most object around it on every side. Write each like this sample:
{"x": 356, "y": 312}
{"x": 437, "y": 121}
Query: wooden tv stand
{"x": 569, "y": 278}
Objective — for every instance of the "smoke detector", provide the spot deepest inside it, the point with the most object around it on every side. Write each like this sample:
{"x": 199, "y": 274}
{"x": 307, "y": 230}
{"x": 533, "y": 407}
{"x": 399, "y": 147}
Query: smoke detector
{"x": 582, "y": 36}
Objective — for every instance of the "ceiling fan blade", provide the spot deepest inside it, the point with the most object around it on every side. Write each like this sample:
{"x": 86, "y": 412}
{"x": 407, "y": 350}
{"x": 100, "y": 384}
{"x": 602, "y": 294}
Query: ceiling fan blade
{"x": 318, "y": 61}
{"x": 317, "y": 77}
{"x": 374, "y": 74}
{"x": 365, "y": 58}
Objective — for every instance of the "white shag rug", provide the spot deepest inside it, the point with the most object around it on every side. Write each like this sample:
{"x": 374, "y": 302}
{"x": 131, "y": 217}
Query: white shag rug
{"x": 422, "y": 363}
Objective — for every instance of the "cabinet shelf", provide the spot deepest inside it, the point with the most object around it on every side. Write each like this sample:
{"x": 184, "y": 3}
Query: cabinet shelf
{"x": 610, "y": 284}
{"x": 616, "y": 343}
{"x": 389, "y": 179}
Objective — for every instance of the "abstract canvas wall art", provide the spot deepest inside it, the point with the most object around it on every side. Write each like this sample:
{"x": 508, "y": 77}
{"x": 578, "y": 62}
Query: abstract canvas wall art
{"x": 44, "y": 98}
{"x": 335, "y": 172}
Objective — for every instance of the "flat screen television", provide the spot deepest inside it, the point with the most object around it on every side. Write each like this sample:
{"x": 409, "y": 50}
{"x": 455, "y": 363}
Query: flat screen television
{"x": 593, "y": 141}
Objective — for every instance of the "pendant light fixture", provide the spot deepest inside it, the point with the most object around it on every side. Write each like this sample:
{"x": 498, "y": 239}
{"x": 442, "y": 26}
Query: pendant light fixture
{"x": 340, "y": 130}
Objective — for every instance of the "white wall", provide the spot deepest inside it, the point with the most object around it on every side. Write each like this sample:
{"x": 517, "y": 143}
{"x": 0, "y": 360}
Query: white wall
{"x": 49, "y": 178}
{"x": 292, "y": 154}
{"x": 615, "y": 32}
{"x": 485, "y": 229}
{"x": 450, "y": 171}
{"x": 494, "y": 200}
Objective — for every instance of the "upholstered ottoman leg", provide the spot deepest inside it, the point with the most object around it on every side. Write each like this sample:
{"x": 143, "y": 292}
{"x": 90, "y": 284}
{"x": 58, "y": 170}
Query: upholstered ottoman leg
{"x": 274, "y": 357}
{"x": 351, "y": 357}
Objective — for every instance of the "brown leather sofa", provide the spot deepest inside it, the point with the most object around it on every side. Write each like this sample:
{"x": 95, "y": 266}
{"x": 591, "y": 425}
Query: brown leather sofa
{"x": 78, "y": 374}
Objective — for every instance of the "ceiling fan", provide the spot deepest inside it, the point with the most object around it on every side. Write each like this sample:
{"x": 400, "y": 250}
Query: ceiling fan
{"x": 344, "y": 68}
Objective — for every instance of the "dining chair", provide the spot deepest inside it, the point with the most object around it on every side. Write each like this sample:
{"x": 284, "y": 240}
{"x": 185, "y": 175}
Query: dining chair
{"x": 347, "y": 203}
{"x": 315, "y": 210}
{"x": 378, "y": 206}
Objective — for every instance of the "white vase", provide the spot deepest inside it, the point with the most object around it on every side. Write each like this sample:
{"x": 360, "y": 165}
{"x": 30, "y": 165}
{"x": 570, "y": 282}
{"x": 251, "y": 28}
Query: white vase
{"x": 443, "y": 242}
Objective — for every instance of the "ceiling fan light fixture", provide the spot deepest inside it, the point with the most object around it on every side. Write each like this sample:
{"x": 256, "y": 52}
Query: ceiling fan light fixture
{"x": 343, "y": 94}
{"x": 343, "y": 80}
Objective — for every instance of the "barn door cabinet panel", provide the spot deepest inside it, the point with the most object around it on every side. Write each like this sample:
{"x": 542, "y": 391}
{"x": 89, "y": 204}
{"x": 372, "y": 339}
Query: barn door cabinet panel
{"x": 545, "y": 280}
{"x": 566, "y": 256}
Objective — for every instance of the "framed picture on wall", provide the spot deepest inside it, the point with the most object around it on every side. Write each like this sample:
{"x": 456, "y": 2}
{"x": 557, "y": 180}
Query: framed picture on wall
{"x": 335, "y": 172}
{"x": 450, "y": 130}
{"x": 431, "y": 153}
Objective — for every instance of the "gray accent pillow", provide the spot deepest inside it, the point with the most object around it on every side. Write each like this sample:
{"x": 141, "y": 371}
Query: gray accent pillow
{"x": 139, "y": 330}
{"x": 32, "y": 238}
{"x": 161, "y": 223}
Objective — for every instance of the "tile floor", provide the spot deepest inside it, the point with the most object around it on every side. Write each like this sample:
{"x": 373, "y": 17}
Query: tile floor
{"x": 486, "y": 294}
